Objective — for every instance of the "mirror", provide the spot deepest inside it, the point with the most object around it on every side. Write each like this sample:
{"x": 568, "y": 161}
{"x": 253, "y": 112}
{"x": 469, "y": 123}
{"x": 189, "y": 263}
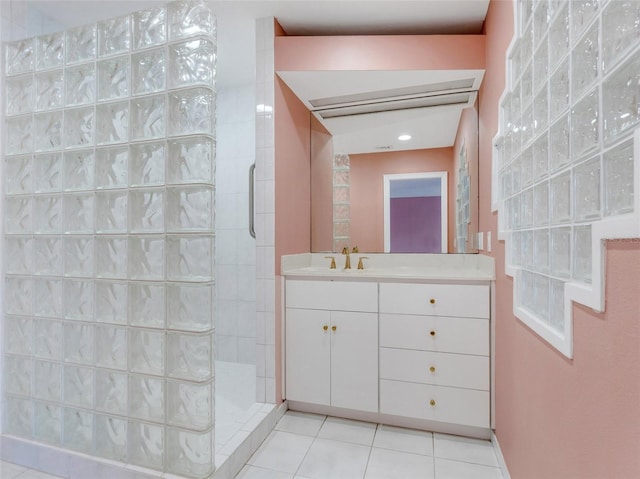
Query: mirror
{"x": 347, "y": 190}
{"x": 366, "y": 124}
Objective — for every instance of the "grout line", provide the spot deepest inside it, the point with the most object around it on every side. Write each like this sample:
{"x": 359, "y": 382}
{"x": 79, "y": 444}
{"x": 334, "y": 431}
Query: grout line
{"x": 366, "y": 468}
{"x": 433, "y": 450}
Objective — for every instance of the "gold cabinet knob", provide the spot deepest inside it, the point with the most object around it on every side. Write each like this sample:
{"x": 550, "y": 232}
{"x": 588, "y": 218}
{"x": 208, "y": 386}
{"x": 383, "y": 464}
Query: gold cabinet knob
{"x": 432, "y": 369}
{"x": 333, "y": 328}
{"x": 325, "y": 327}
{"x": 432, "y": 333}
{"x": 432, "y": 402}
{"x": 432, "y": 301}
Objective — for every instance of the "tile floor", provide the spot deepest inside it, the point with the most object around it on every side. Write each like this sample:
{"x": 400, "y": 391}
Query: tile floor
{"x": 311, "y": 446}
{"x": 13, "y": 471}
{"x": 305, "y": 446}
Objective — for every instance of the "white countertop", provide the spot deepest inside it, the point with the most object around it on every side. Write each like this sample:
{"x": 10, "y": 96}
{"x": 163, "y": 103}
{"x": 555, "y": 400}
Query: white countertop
{"x": 452, "y": 267}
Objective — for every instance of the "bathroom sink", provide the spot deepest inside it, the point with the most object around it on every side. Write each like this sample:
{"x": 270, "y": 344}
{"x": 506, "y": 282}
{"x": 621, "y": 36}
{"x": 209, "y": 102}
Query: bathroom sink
{"x": 391, "y": 266}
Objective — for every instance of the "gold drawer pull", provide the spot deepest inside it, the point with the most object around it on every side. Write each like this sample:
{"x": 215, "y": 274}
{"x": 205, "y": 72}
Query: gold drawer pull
{"x": 432, "y": 333}
{"x": 432, "y": 369}
{"x": 325, "y": 327}
{"x": 432, "y": 301}
{"x": 432, "y": 402}
{"x": 333, "y": 328}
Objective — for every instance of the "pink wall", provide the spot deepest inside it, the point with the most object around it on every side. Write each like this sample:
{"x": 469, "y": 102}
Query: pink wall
{"x": 292, "y": 200}
{"x": 321, "y": 187}
{"x": 367, "y": 193}
{"x": 555, "y": 417}
{"x": 292, "y": 174}
{"x": 380, "y": 52}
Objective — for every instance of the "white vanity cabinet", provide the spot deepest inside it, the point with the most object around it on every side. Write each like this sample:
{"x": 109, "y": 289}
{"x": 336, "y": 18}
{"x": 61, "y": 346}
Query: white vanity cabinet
{"x": 434, "y": 352}
{"x": 332, "y": 343}
{"x": 406, "y": 341}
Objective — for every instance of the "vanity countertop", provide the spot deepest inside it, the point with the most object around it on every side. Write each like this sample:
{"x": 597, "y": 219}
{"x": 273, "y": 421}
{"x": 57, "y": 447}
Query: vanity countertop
{"x": 416, "y": 267}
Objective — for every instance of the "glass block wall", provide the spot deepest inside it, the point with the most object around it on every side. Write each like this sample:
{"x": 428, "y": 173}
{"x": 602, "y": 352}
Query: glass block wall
{"x": 109, "y": 163}
{"x": 565, "y": 147}
{"x": 341, "y": 202}
{"x": 463, "y": 201}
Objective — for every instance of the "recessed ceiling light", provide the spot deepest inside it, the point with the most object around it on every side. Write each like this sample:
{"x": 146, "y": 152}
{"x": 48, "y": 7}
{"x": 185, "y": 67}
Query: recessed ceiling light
{"x": 404, "y": 137}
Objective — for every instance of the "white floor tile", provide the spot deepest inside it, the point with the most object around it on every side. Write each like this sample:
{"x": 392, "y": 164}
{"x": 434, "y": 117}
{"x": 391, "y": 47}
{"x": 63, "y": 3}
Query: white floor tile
{"x": 405, "y": 440}
{"x": 10, "y": 470}
{"x": 465, "y": 449}
{"x": 384, "y": 463}
{"x": 281, "y": 451}
{"x": 329, "y": 459}
{"x": 446, "y": 469}
{"x": 252, "y": 472}
{"x": 301, "y": 423}
{"x": 347, "y": 430}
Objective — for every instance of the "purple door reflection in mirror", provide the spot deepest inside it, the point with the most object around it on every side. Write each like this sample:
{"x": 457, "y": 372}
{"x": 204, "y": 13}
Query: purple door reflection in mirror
{"x": 416, "y": 213}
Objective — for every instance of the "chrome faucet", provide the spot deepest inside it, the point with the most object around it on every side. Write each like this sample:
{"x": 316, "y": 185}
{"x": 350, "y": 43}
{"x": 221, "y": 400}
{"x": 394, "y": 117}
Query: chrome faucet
{"x": 347, "y": 262}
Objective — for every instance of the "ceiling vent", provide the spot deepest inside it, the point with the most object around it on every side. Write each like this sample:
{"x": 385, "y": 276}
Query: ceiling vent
{"x": 395, "y": 93}
{"x": 396, "y": 105}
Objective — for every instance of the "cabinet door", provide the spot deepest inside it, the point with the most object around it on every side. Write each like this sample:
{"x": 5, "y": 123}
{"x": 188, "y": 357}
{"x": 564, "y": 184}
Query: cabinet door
{"x": 354, "y": 360}
{"x": 308, "y": 348}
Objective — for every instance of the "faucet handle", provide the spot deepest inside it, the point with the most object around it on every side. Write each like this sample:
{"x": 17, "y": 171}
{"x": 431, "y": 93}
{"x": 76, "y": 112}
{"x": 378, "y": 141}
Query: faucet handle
{"x": 345, "y": 250}
{"x": 360, "y": 263}
{"x": 355, "y": 250}
{"x": 333, "y": 262}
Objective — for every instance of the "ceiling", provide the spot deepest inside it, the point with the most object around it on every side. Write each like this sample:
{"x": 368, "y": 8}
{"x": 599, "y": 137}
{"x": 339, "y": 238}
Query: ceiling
{"x": 236, "y": 47}
{"x": 298, "y": 17}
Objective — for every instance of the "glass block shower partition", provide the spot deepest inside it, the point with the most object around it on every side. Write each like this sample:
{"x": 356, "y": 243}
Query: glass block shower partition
{"x": 564, "y": 154}
{"x": 110, "y": 146}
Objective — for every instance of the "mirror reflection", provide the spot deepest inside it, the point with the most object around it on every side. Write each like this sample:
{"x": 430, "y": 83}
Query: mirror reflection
{"x": 415, "y": 213}
{"x": 351, "y": 206}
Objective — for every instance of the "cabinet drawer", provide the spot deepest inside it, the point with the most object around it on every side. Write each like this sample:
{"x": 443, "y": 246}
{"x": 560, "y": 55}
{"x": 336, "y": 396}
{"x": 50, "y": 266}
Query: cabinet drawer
{"x": 332, "y": 295}
{"x": 440, "y": 369}
{"x": 469, "y": 301}
{"x": 436, "y": 403}
{"x": 428, "y": 333}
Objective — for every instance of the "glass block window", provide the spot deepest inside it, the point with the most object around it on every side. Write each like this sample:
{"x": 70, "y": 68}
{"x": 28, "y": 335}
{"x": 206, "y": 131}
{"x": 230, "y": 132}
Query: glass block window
{"x": 110, "y": 148}
{"x": 565, "y": 167}
{"x": 341, "y": 201}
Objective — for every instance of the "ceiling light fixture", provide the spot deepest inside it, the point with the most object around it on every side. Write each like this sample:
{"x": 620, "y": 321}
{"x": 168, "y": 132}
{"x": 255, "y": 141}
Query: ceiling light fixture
{"x": 404, "y": 137}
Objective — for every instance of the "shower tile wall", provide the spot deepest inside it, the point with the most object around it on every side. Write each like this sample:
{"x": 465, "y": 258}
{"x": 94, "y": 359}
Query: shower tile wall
{"x": 108, "y": 208}
{"x": 235, "y": 248}
{"x": 265, "y": 212}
